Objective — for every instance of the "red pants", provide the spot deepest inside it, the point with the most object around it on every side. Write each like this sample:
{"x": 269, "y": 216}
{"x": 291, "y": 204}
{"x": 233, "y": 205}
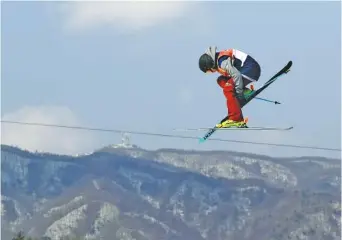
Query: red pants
{"x": 233, "y": 105}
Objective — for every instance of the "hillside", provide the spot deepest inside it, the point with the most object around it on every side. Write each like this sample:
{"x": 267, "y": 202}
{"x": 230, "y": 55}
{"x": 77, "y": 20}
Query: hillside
{"x": 132, "y": 193}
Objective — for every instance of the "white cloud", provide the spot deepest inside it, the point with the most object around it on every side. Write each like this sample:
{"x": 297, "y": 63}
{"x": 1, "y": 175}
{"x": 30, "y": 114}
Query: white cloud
{"x": 133, "y": 15}
{"x": 47, "y": 139}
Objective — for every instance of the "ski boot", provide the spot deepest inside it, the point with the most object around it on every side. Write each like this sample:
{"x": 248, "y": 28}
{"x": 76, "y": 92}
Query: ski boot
{"x": 231, "y": 123}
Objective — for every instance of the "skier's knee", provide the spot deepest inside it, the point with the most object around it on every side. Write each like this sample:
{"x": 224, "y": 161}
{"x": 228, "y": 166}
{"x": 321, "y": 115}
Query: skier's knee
{"x": 222, "y": 80}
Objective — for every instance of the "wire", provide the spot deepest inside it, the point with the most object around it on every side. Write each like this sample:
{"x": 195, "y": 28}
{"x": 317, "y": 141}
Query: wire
{"x": 170, "y": 136}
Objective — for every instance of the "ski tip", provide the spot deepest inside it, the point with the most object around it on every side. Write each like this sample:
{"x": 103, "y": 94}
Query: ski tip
{"x": 201, "y": 140}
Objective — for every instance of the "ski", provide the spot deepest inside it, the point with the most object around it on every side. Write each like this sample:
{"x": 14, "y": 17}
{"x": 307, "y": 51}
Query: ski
{"x": 252, "y": 95}
{"x": 237, "y": 128}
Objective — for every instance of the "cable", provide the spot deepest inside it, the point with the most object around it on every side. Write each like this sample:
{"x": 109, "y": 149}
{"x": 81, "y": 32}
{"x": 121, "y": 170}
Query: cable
{"x": 171, "y": 136}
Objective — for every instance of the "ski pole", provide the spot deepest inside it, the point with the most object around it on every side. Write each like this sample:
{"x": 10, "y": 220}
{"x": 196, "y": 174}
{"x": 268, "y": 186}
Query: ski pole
{"x": 266, "y": 100}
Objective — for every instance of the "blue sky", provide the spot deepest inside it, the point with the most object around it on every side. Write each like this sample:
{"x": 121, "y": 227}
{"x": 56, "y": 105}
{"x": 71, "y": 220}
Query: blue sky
{"x": 116, "y": 65}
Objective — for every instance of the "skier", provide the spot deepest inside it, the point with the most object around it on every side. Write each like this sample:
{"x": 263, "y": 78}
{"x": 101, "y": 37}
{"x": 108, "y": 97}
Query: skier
{"x": 237, "y": 70}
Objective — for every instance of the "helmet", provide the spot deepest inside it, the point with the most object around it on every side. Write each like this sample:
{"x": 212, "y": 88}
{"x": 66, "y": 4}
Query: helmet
{"x": 206, "y": 62}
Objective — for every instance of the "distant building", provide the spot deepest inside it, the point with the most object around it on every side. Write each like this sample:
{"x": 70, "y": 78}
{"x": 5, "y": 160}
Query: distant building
{"x": 125, "y": 142}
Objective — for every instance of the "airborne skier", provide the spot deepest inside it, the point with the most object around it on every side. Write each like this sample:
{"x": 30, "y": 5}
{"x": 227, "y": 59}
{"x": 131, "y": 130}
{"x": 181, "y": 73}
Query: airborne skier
{"x": 237, "y": 70}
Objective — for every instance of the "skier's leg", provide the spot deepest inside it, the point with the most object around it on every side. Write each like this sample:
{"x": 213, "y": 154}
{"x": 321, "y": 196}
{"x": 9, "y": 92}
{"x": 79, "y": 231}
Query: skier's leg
{"x": 233, "y": 105}
{"x": 235, "y": 116}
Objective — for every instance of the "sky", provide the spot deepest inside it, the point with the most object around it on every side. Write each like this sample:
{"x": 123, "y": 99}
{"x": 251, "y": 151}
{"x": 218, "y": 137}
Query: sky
{"x": 134, "y": 66}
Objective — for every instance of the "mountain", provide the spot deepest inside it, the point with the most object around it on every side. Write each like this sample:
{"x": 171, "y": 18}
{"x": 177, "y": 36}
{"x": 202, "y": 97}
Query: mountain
{"x": 120, "y": 192}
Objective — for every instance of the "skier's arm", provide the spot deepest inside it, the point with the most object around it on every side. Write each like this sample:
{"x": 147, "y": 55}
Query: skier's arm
{"x": 235, "y": 74}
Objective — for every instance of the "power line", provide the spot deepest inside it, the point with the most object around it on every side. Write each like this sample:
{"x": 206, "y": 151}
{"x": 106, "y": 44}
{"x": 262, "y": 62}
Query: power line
{"x": 170, "y": 135}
